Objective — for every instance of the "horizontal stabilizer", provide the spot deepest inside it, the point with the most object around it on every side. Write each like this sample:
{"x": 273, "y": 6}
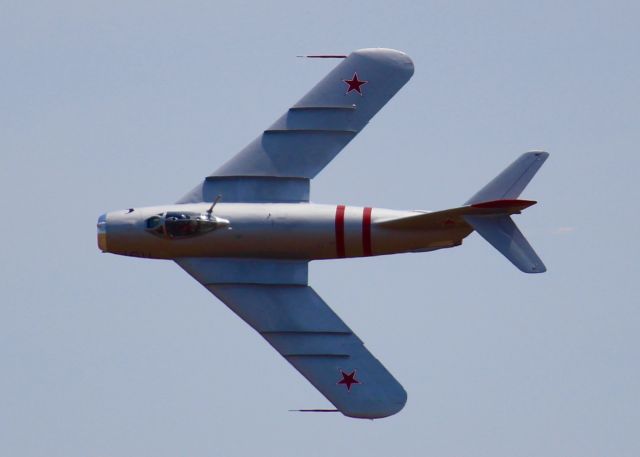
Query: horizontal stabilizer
{"x": 504, "y": 235}
{"x": 448, "y": 218}
{"x": 511, "y": 182}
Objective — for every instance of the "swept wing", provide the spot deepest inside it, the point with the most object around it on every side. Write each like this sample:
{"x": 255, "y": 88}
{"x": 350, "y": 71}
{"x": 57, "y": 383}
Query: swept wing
{"x": 278, "y": 164}
{"x": 272, "y": 295}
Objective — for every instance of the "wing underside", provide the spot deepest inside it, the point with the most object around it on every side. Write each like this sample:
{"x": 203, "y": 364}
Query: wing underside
{"x": 272, "y": 295}
{"x": 274, "y": 299}
{"x": 312, "y": 132}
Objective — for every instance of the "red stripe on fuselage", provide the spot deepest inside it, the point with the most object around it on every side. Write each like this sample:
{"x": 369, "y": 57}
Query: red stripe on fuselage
{"x": 366, "y": 231}
{"x": 340, "y": 249}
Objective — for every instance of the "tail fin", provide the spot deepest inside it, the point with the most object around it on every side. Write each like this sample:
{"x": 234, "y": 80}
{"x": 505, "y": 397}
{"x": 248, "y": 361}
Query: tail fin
{"x": 511, "y": 182}
{"x": 498, "y": 228}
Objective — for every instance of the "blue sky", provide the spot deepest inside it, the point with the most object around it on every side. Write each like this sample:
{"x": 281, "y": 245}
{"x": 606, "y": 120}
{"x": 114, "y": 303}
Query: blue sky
{"x": 111, "y": 105}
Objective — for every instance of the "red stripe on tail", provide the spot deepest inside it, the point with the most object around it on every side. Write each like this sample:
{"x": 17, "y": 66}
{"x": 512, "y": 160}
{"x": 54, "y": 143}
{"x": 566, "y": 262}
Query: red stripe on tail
{"x": 505, "y": 204}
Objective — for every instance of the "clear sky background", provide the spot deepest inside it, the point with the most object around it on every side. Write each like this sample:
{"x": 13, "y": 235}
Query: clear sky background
{"x": 107, "y": 105}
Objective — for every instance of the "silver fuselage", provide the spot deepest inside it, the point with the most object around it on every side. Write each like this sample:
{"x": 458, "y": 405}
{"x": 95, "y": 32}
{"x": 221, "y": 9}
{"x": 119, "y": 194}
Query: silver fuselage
{"x": 279, "y": 231}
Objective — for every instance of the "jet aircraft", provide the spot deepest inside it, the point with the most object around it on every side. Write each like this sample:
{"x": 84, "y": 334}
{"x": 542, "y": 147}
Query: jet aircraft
{"x": 248, "y": 231}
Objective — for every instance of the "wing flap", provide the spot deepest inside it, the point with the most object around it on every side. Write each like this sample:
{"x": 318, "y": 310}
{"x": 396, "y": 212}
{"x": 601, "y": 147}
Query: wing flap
{"x": 284, "y": 309}
{"x": 245, "y": 271}
{"x": 285, "y": 152}
{"x": 310, "y": 343}
{"x": 249, "y": 189}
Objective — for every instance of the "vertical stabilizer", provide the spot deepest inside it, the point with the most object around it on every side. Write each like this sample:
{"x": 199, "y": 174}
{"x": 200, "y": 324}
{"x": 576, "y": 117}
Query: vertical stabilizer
{"x": 511, "y": 182}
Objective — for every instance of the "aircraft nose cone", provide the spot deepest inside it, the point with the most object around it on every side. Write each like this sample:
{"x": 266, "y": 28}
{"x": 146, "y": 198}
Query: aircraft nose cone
{"x": 102, "y": 232}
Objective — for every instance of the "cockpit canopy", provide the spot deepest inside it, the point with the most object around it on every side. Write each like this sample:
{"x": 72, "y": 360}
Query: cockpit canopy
{"x": 177, "y": 224}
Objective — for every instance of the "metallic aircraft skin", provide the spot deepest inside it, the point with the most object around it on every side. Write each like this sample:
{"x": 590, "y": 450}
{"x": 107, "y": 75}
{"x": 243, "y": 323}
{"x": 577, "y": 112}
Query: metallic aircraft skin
{"x": 277, "y": 231}
{"x": 247, "y": 231}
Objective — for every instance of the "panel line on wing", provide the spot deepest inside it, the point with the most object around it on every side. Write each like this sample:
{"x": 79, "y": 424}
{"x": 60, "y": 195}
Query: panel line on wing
{"x": 311, "y": 131}
{"x": 302, "y": 332}
{"x": 259, "y": 284}
{"x": 318, "y": 356}
{"x": 250, "y": 189}
{"x": 323, "y": 108}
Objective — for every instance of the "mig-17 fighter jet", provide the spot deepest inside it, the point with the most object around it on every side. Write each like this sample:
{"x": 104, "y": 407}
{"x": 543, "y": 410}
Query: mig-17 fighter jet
{"x": 247, "y": 231}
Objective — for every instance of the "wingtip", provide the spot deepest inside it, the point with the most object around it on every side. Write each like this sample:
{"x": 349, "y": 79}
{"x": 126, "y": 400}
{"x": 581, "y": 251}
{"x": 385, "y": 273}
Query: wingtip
{"x": 385, "y": 407}
{"x": 393, "y": 55}
{"x": 538, "y": 153}
{"x": 535, "y": 269}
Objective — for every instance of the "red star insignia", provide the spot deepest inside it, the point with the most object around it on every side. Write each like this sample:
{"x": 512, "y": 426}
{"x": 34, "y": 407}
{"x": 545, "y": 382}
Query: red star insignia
{"x": 354, "y": 84}
{"x": 449, "y": 222}
{"x": 348, "y": 379}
